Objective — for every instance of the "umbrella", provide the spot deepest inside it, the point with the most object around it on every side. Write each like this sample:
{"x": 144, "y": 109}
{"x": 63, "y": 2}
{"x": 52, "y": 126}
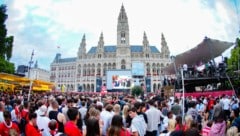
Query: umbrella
{"x": 207, "y": 50}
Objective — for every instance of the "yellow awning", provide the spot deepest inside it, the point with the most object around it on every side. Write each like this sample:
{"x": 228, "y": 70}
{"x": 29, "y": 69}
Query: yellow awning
{"x": 37, "y": 85}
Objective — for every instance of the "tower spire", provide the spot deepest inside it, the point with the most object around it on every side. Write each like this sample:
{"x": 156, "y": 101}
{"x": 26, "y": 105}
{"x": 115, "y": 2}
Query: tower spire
{"x": 82, "y": 48}
{"x": 101, "y": 41}
{"x": 145, "y": 40}
{"x": 122, "y": 15}
{"x": 83, "y": 43}
{"x": 122, "y": 28}
{"x": 165, "y": 53}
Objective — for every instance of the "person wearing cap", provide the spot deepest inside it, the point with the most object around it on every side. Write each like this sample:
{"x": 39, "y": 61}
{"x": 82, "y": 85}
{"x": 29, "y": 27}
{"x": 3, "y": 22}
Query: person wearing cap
{"x": 43, "y": 120}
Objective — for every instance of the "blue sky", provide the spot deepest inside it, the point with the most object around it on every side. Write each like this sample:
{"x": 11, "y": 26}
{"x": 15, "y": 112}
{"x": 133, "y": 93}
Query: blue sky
{"x": 42, "y": 25}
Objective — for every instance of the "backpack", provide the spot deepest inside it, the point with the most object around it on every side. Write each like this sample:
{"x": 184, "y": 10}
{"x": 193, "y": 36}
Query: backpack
{"x": 22, "y": 124}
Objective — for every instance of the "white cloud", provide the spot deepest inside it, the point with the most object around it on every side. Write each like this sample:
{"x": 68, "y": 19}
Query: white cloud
{"x": 184, "y": 23}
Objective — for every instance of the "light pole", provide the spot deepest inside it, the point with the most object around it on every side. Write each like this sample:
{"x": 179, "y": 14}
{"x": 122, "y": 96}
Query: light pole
{"x": 183, "y": 96}
{"x": 29, "y": 68}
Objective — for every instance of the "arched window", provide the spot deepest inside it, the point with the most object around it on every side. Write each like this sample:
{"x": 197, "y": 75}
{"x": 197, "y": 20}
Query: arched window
{"x": 154, "y": 87}
{"x": 88, "y": 70}
{"x": 93, "y": 70}
{"x": 154, "y": 69}
{"x": 79, "y": 69}
{"x": 158, "y": 69}
{"x": 123, "y": 64}
{"x": 114, "y": 66}
{"x": 104, "y": 68}
{"x": 109, "y": 66}
{"x": 99, "y": 69}
{"x": 148, "y": 69}
{"x": 123, "y": 39}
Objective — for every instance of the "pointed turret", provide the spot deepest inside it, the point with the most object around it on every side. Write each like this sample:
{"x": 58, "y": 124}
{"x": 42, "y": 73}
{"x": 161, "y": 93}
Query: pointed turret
{"x": 83, "y": 43}
{"x": 146, "y": 47}
{"x": 82, "y": 48}
{"x": 163, "y": 41}
{"x": 122, "y": 16}
{"x": 122, "y": 28}
{"x": 165, "y": 53}
{"x": 101, "y": 41}
{"x": 100, "y": 47}
{"x": 145, "y": 40}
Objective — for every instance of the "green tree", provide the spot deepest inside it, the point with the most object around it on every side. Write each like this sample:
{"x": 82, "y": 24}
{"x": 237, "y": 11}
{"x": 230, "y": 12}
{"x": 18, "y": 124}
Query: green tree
{"x": 234, "y": 63}
{"x": 6, "y": 43}
{"x": 137, "y": 90}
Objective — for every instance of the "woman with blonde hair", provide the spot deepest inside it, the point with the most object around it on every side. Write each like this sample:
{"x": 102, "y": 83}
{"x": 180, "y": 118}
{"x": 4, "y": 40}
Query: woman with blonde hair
{"x": 188, "y": 122}
{"x": 116, "y": 109}
{"x": 93, "y": 116}
{"x": 171, "y": 127}
{"x": 125, "y": 114}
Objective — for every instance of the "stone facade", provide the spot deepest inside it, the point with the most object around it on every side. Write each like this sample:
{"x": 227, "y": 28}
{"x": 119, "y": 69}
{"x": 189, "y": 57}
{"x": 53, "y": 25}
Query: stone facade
{"x": 87, "y": 72}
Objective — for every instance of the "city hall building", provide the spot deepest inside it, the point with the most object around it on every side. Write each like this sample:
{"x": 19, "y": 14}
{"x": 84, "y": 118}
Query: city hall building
{"x": 87, "y": 71}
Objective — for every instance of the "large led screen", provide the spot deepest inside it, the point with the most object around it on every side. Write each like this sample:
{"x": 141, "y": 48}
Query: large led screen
{"x": 119, "y": 79}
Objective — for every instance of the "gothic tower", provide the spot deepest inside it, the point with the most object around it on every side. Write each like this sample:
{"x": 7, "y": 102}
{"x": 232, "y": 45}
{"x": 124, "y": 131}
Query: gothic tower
{"x": 100, "y": 47}
{"x": 165, "y": 53}
{"x": 82, "y": 48}
{"x": 123, "y": 52}
{"x": 122, "y": 28}
{"x": 146, "y": 47}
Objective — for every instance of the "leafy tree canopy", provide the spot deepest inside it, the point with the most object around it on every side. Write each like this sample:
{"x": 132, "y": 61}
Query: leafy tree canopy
{"x": 137, "y": 90}
{"x": 6, "y": 43}
{"x": 234, "y": 63}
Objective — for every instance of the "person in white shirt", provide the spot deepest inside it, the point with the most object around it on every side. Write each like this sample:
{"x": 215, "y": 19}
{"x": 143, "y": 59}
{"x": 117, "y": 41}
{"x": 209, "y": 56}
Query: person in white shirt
{"x": 83, "y": 110}
{"x": 43, "y": 120}
{"x": 200, "y": 107}
{"x": 138, "y": 125}
{"x": 13, "y": 114}
{"x": 106, "y": 116}
{"x": 226, "y": 106}
{"x": 1, "y": 112}
{"x": 153, "y": 116}
{"x": 185, "y": 69}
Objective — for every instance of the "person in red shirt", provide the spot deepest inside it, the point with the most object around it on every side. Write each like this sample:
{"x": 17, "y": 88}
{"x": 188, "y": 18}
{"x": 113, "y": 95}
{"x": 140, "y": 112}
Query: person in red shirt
{"x": 8, "y": 128}
{"x": 31, "y": 128}
{"x": 24, "y": 111}
{"x": 71, "y": 128}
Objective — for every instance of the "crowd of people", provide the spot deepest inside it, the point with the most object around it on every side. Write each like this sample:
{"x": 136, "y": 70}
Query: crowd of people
{"x": 72, "y": 114}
